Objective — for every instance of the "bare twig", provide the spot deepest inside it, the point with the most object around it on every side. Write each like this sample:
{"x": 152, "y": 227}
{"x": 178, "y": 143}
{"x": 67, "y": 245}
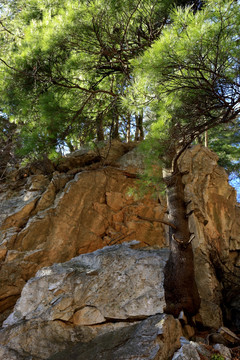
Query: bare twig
{"x": 157, "y": 220}
{"x": 119, "y": 238}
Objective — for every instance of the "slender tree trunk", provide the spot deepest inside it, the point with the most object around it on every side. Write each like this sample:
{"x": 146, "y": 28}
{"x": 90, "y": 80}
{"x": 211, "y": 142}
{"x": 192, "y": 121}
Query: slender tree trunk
{"x": 140, "y": 125}
{"x": 115, "y": 133}
{"x": 180, "y": 287}
{"x": 100, "y": 132}
{"x": 136, "y": 138}
{"x": 69, "y": 144}
{"x": 206, "y": 139}
{"x": 139, "y": 133}
{"x": 128, "y": 128}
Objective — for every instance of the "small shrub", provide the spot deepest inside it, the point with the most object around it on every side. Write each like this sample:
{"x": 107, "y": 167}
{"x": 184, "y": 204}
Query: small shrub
{"x": 217, "y": 357}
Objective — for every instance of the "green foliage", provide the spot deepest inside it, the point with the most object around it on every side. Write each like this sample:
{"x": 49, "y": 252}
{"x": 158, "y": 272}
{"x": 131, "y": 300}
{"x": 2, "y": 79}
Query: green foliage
{"x": 64, "y": 64}
{"x": 191, "y": 75}
{"x": 217, "y": 357}
{"x": 225, "y": 141}
{"x": 8, "y": 139}
{"x": 150, "y": 180}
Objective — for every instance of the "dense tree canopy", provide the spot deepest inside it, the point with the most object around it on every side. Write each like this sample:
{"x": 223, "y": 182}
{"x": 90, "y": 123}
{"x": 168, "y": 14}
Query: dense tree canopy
{"x": 66, "y": 64}
{"x": 65, "y": 67}
{"x": 191, "y": 77}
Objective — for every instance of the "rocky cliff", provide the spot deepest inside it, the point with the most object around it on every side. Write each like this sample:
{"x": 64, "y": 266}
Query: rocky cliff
{"x": 65, "y": 213}
{"x": 80, "y": 207}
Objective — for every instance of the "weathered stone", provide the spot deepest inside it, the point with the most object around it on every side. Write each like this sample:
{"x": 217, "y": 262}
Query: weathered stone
{"x": 229, "y": 336}
{"x": 202, "y": 349}
{"x": 45, "y": 221}
{"x": 187, "y": 352}
{"x": 223, "y": 350}
{"x": 192, "y": 351}
{"x": 154, "y": 338}
{"x": 7, "y": 354}
{"x": 214, "y": 220}
{"x": 188, "y": 331}
{"x": 67, "y": 218}
{"x": 38, "y": 182}
{"x": 88, "y": 316}
{"x": 118, "y": 281}
{"x": 117, "y": 284}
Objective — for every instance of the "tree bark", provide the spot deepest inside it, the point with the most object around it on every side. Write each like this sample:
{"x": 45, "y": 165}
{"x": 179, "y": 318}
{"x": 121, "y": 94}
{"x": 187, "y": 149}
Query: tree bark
{"x": 139, "y": 133}
{"x": 100, "y": 132}
{"x": 128, "y": 128}
{"x": 180, "y": 287}
{"x": 206, "y": 138}
{"x": 115, "y": 132}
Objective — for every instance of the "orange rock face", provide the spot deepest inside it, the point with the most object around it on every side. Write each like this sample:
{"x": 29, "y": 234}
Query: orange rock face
{"x": 71, "y": 216}
{"x": 83, "y": 206}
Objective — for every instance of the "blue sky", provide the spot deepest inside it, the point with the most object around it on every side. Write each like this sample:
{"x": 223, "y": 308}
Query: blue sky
{"x": 236, "y": 184}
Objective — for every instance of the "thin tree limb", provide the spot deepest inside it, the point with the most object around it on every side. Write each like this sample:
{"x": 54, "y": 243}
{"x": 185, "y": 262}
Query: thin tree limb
{"x": 157, "y": 220}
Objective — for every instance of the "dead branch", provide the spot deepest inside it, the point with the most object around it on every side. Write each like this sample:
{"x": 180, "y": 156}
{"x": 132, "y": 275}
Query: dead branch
{"x": 119, "y": 238}
{"x": 130, "y": 175}
{"x": 182, "y": 242}
{"x": 157, "y": 220}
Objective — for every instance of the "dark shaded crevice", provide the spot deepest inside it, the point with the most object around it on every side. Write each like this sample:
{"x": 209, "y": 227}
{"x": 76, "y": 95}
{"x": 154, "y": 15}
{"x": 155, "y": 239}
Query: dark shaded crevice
{"x": 128, "y": 320}
{"x": 131, "y": 320}
{"x": 65, "y": 322}
{"x": 8, "y": 302}
{"x": 181, "y": 291}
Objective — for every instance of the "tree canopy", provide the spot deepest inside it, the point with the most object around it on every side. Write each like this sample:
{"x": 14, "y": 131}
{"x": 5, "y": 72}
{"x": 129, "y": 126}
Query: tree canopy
{"x": 190, "y": 76}
{"x": 66, "y": 68}
{"x": 66, "y": 64}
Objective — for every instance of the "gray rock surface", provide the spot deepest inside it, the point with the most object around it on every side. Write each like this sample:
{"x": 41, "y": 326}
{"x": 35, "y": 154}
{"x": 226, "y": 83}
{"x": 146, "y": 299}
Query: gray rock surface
{"x": 89, "y": 295}
{"x": 223, "y": 350}
{"x": 187, "y": 352}
{"x": 153, "y": 338}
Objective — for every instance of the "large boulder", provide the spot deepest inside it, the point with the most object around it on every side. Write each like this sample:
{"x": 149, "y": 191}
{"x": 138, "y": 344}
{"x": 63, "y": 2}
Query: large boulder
{"x": 88, "y": 296}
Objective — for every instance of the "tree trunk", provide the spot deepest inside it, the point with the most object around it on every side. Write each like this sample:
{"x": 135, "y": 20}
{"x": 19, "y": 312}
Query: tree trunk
{"x": 128, "y": 128}
{"x": 70, "y": 145}
{"x": 139, "y": 133}
{"x": 140, "y": 125}
{"x": 100, "y": 132}
{"x": 180, "y": 287}
{"x": 115, "y": 132}
{"x": 206, "y": 139}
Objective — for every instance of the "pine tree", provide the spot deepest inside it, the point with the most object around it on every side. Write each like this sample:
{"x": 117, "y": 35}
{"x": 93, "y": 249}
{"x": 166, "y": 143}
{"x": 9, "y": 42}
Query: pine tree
{"x": 66, "y": 64}
{"x": 191, "y": 78}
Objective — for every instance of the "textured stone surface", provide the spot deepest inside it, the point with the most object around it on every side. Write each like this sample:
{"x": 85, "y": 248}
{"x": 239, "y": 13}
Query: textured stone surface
{"x": 224, "y": 351}
{"x": 116, "y": 284}
{"x": 47, "y": 218}
{"x": 154, "y": 338}
{"x": 187, "y": 352}
{"x": 214, "y": 220}
{"x": 45, "y": 221}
